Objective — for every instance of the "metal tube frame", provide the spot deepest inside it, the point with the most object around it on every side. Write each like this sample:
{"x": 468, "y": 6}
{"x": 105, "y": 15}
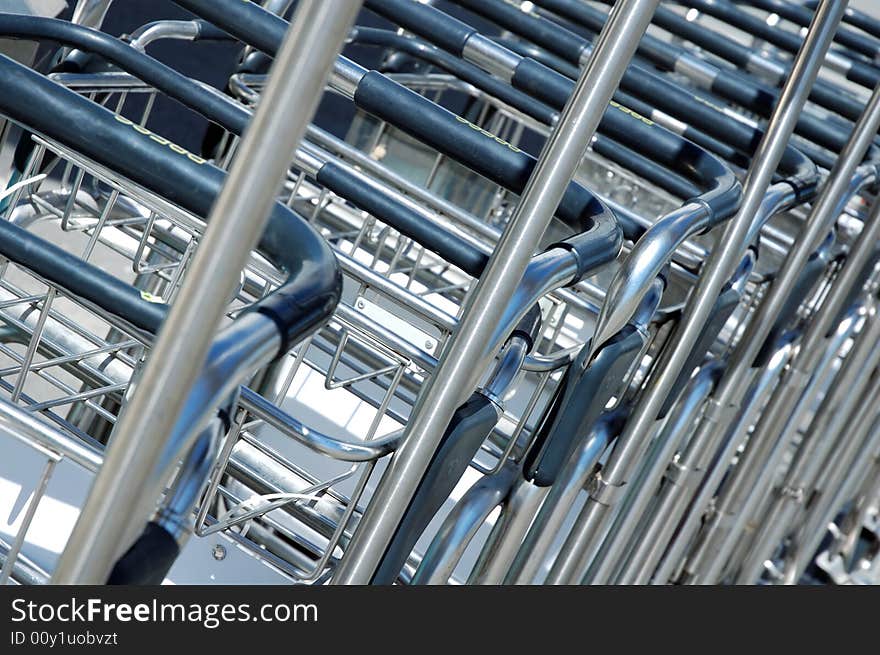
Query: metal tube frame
{"x": 457, "y": 373}
{"x": 300, "y": 71}
{"x": 574, "y": 561}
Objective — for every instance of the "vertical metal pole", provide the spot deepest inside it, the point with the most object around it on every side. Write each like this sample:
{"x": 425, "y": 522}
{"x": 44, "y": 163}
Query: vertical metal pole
{"x": 460, "y": 366}
{"x": 843, "y": 181}
{"x": 841, "y": 184}
{"x": 90, "y": 13}
{"x": 239, "y": 215}
{"x": 572, "y": 562}
{"x": 771, "y": 436}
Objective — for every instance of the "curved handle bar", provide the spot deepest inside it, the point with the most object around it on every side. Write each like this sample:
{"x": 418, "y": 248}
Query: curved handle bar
{"x": 591, "y": 248}
{"x": 190, "y": 30}
{"x": 302, "y": 303}
{"x": 212, "y": 104}
{"x": 666, "y": 96}
{"x": 230, "y": 115}
{"x": 376, "y": 94}
{"x": 651, "y": 253}
{"x": 720, "y": 190}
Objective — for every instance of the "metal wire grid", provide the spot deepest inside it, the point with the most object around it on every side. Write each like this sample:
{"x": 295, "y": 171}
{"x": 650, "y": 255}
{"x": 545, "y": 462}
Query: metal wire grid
{"x": 302, "y": 528}
{"x": 73, "y": 365}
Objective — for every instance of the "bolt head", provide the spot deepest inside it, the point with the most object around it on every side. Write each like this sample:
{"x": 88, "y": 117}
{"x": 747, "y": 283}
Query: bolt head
{"x": 219, "y": 552}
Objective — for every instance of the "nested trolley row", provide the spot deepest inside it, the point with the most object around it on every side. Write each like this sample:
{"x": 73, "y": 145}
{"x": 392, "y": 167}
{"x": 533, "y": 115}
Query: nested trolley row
{"x": 573, "y": 292}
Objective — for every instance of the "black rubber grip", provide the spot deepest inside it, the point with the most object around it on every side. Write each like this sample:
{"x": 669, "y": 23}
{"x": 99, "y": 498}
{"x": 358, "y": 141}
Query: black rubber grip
{"x": 255, "y": 62}
{"x": 594, "y": 247}
{"x": 79, "y": 278}
{"x": 727, "y": 152}
{"x": 645, "y": 167}
{"x": 552, "y": 88}
{"x": 752, "y": 24}
{"x": 797, "y": 169}
{"x": 466, "y": 143}
{"x": 859, "y": 73}
{"x": 235, "y": 119}
{"x": 832, "y": 97}
{"x": 529, "y": 326}
{"x": 719, "y": 187}
{"x": 417, "y": 116}
{"x": 524, "y": 49}
{"x": 470, "y": 425}
{"x": 580, "y": 398}
{"x": 799, "y": 15}
{"x": 221, "y": 110}
{"x": 449, "y": 33}
{"x": 672, "y": 99}
{"x": 210, "y": 32}
{"x": 463, "y": 70}
{"x": 245, "y": 21}
{"x": 535, "y": 27}
{"x": 856, "y": 18}
{"x": 313, "y": 282}
{"x": 743, "y": 90}
{"x": 823, "y": 93}
{"x": 697, "y": 33}
{"x": 446, "y": 132}
{"x": 662, "y": 53}
{"x": 148, "y": 560}
{"x": 746, "y": 93}
{"x": 448, "y": 245}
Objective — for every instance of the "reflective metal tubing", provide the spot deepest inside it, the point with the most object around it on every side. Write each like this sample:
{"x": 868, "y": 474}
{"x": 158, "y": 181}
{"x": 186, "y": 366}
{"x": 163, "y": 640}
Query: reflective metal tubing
{"x": 834, "y": 195}
{"x": 573, "y": 561}
{"x": 236, "y": 223}
{"x": 467, "y": 349}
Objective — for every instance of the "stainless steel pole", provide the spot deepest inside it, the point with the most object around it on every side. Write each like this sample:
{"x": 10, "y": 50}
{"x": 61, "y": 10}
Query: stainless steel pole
{"x": 460, "y": 367}
{"x": 583, "y": 543}
{"x": 841, "y": 183}
{"x": 236, "y": 223}
{"x": 770, "y": 438}
{"x": 90, "y": 13}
